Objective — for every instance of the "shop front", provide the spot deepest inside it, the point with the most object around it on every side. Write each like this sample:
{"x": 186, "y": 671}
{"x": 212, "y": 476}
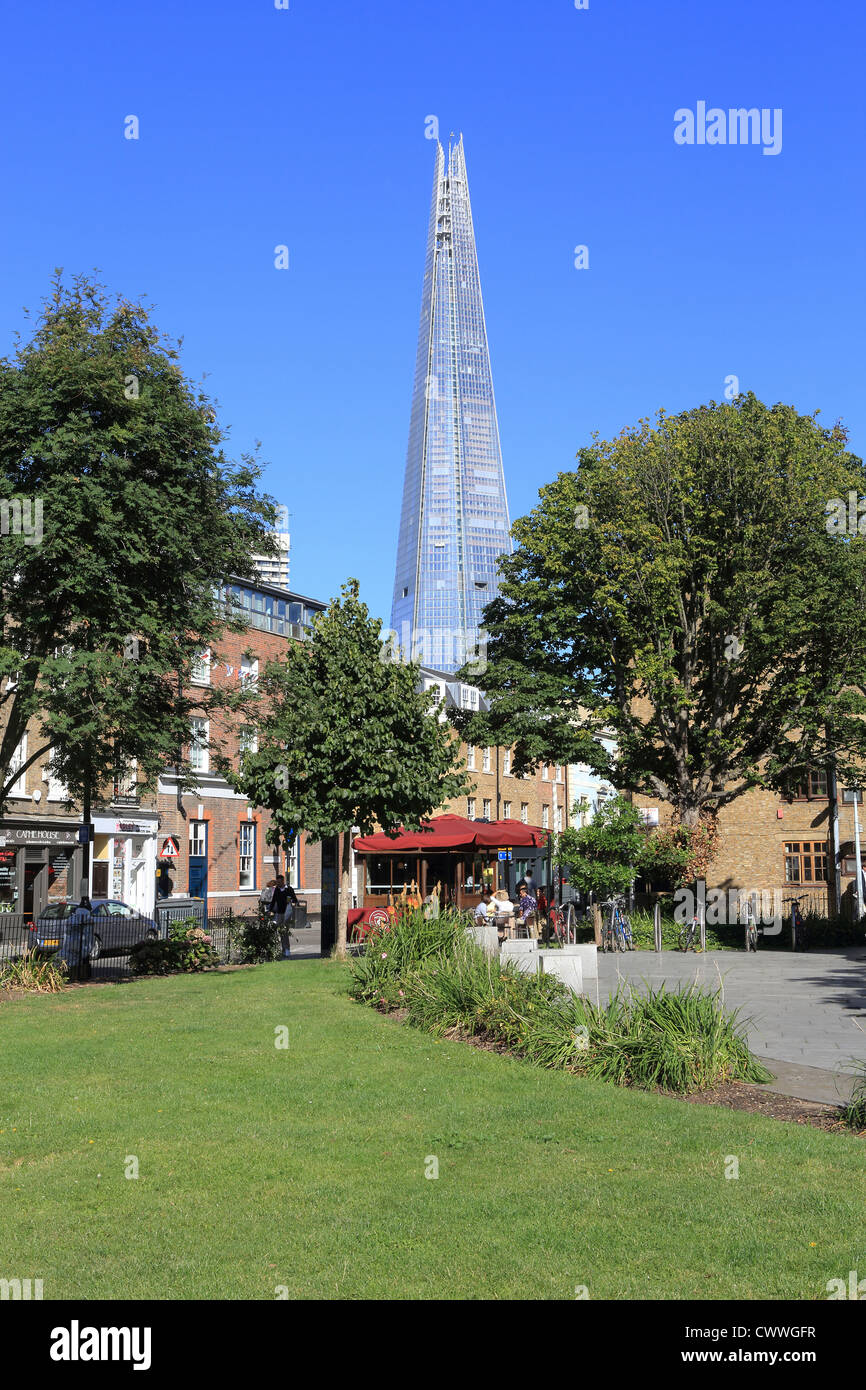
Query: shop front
{"x": 39, "y": 864}
{"x": 124, "y": 860}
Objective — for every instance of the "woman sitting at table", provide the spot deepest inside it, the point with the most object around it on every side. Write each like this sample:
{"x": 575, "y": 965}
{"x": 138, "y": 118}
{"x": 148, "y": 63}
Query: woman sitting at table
{"x": 504, "y": 914}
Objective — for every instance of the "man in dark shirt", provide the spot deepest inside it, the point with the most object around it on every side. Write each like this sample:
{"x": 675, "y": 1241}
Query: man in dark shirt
{"x": 283, "y": 904}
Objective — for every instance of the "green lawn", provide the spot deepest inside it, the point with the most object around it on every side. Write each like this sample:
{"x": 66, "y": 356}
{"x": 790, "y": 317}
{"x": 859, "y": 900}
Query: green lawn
{"x": 305, "y": 1167}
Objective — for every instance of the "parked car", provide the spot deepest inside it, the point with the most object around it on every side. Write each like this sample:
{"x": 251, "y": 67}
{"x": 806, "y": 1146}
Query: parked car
{"x": 116, "y": 928}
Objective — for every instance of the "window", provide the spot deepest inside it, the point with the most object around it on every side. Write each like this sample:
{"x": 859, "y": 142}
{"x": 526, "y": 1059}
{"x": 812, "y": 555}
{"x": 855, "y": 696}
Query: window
{"x": 486, "y": 804}
{"x": 19, "y": 758}
{"x": 506, "y": 810}
{"x": 248, "y": 740}
{"x": 56, "y": 789}
{"x": 126, "y": 782}
{"x": 557, "y": 820}
{"x": 468, "y": 697}
{"x": 485, "y": 765}
{"x": 812, "y": 785}
{"x": 506, "y": 763}
{"x": 558, "y": 771}
{"x": 247, "y": 855}
{"x": 805, "y": 861}
{"x": 470, "y": 757}
{"x": 524, "y": 812}
{"x": 198, "y": 838}
{"x": 199, "y": 757}
{"x": 200, "y": 670}
{"x": 470, "y": 807}
{"x": 249, "y": 672}
{"x": 545, "y": 817}
{"x": 544, "y": 776}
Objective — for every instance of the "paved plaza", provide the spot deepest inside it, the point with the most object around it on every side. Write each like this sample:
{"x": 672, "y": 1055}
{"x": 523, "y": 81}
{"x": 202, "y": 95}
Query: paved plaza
{"x": 806, "y": 1012}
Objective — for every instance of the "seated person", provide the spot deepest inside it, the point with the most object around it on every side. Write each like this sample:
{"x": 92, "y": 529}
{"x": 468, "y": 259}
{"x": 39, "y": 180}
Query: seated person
{"x": 527, "y": 911}
{"x": 504, "y": 913}
{"x": 482, "y": 911}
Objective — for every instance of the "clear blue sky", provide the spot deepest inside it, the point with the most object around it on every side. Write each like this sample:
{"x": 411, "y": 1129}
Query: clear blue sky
{"x": 261, "y": 126}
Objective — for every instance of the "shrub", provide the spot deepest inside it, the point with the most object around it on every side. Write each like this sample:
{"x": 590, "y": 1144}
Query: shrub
{"x": 39, "y": 974}
{"x": 679, "y": 1041}
{"x": 254, "y": 940}
{"x": 393, "y": 950}
{"x": 854, "y": 1113}
{"x": 187, "y": 948}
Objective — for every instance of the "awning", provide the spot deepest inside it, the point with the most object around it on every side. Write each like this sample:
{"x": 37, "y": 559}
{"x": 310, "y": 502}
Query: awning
{"x": 454, "y": 832}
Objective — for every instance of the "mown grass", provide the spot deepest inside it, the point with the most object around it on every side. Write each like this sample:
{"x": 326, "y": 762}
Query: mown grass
{"x": 304, "y": 1167}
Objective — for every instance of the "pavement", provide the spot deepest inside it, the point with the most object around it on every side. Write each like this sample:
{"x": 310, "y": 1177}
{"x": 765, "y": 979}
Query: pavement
{"x": 804, "y": 1013}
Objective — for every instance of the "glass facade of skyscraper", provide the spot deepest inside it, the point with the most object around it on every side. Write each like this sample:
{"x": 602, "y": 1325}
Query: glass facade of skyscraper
{"x": 454, "y": 522}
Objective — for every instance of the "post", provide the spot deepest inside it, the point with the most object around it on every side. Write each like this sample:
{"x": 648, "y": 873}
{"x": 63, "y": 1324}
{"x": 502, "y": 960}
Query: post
{"x": 833, "y": 831}
{"x": 85, "y": 848}
{"x": 857, "y": 869}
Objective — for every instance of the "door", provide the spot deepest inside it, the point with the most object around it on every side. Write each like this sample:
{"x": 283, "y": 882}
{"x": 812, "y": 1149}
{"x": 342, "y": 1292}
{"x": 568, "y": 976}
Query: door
{"x": 198, "y": 860}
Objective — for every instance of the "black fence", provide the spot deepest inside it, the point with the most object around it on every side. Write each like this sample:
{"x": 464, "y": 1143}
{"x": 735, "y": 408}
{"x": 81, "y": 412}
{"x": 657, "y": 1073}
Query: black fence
{"x": 113, "y": 935}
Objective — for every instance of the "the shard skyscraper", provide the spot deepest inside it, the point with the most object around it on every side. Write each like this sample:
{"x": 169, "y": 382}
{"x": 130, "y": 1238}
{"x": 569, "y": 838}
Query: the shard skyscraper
{"x": 454, "y": 521}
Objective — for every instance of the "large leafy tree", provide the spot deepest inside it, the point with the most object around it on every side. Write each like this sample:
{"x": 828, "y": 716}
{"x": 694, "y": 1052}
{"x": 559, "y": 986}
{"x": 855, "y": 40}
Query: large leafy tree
{"x": 604, "y": 856}
{"x": 122, "y": 516}
{"x": 690, "y": 590}
{"x": 347, "y": 739}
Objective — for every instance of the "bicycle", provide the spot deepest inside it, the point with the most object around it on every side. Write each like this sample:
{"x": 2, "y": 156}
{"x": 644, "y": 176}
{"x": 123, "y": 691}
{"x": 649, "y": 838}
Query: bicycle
{"x": 798, "y": 931}
{"x": 751, "y": 928}
{"x": 616, "y": 933}
{"x": 690, "y": 933}
{"x": 563, "y": 923}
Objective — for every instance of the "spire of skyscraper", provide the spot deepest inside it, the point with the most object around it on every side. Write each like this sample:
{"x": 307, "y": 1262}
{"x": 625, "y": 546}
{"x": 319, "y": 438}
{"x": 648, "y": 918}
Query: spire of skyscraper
{"x": 454, "y": 522}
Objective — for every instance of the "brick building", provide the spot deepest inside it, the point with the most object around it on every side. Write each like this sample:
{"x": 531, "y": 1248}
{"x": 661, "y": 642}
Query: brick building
{"x": 212, "y": 843}
{"x": 770, "y": 841}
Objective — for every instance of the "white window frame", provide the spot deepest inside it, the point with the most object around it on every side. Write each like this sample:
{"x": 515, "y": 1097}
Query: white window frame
{"x": 557, "y": 820}
{"x": 545, "y": 817}
{"x": 201, "y": 668}
{"x": 248, "y": 745}
{"x": 247, "y": 835}
{"x": 485, "y": 806}
{"x": 196, "y": 744}
{"x": 470, "y": 757}
{"x": 524, "y": 812}
{"x": 506, "y": 810}
{"x": 196, "y": 840}
{"x": 506, "y": 763}
{"x": 19, "y": 758}
{"x": 249, "y": 670}
{"x": 485, "y": 761}
{"x": 470, "y": 808}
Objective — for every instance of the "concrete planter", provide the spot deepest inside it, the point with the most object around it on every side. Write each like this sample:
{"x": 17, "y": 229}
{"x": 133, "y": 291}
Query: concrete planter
{"x": 524, "y": 953}
{"x": 587, "y": 954}
{"x": 487, "y": 938}
{"x": 566, "y": 967}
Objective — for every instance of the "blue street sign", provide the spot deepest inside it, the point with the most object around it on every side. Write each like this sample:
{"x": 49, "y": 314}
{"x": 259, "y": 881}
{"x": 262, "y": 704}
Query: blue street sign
{"x": 504, "y": 854}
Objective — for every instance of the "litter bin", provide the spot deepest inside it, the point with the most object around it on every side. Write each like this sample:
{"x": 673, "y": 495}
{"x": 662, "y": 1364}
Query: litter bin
{"x": 176, "y": 909}
{"x": 300, "y": 917}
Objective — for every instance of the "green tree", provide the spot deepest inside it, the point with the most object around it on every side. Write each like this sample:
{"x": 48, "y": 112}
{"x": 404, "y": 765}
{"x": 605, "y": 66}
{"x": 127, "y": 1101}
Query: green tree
{"x": 604, "y": 856}
{"x": 121, "y": 516}
{"x": 689, "y": 590}
{"x": 347, "y": 739}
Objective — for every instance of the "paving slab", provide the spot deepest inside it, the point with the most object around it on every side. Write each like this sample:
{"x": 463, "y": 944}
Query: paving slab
{"x": 804, "y": 1013}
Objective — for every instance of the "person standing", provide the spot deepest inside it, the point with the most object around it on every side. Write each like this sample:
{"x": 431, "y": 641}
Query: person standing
{"x": 266, "y": 897}
{"x": 283, "y": 904}
{"x": 77, "y": 942}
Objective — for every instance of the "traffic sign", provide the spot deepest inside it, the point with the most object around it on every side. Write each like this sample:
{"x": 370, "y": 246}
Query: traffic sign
{"x": 504, "y": 855}
{"x": 170, "y": 848}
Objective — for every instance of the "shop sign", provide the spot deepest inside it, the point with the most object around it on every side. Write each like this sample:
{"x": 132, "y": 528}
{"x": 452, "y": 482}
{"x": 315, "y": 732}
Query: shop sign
{"x": 39, "y": 835}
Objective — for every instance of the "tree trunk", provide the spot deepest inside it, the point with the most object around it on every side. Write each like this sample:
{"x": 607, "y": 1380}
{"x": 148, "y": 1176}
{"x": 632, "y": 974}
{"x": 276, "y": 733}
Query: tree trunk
{"x": 343, "y": 895}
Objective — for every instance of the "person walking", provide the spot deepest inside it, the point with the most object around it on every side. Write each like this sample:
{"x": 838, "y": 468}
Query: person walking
{"x": 266, "y": 897}
{"x": 283, "y": 904}
{"x": 77, "y": 942}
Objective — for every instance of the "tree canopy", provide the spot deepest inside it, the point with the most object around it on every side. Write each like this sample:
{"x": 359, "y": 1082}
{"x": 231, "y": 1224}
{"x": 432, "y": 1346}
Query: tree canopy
{"x": 346, "y": 738}
{"x": 121, "y": 514}
{"x": 689, "y": 589}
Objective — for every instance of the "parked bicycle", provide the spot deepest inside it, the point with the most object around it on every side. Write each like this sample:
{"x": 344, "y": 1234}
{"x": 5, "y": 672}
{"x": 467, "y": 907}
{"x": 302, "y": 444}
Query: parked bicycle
{"x": 751, "y": 926}
{"x": 616, "y": 933}
{"x": 691, "y": 935}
